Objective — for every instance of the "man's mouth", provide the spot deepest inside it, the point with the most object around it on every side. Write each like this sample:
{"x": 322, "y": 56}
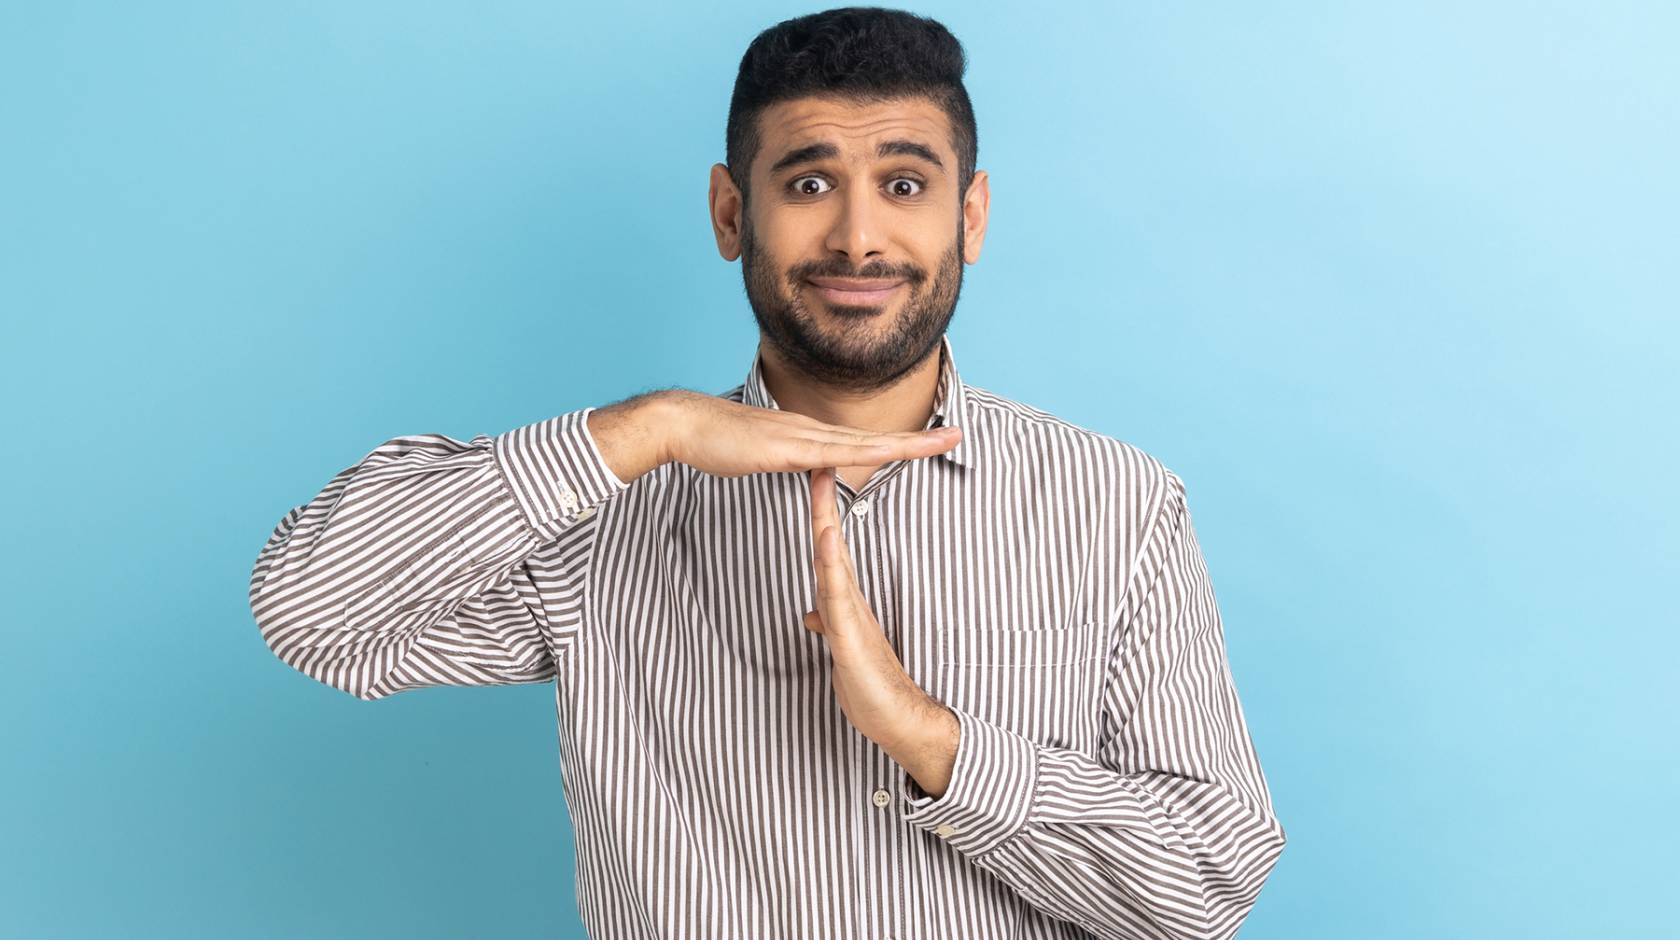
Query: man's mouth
{"x": 854, "y": 291}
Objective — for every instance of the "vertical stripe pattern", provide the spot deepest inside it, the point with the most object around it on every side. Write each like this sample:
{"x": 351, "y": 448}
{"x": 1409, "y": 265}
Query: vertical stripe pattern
{"x": 1041, "y": 580}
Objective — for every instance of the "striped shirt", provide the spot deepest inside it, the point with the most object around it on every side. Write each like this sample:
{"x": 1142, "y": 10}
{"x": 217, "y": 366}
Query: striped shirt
{"x": 1041, "y": 580}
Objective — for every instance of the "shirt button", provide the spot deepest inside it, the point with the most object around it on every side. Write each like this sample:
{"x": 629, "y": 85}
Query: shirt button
{"x": 881, "y": 797}
{"x": 860, "y": 507}
{"x": 568, "y": 499}
{"x": 945, "y": 830}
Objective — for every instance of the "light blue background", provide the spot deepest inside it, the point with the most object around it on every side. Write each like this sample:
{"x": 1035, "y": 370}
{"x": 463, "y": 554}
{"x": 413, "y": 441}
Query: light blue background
{"x": 1392, "y": 287}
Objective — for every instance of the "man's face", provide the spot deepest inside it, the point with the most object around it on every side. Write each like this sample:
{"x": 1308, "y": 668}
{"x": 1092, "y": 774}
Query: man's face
{"x": 827, "y": 203}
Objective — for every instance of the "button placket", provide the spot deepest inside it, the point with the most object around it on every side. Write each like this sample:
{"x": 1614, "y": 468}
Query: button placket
{"x": 885, "y": 868}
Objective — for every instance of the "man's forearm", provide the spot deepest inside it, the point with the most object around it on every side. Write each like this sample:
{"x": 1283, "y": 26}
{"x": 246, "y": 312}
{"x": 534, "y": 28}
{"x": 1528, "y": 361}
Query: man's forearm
{"x": 927, "y": 748}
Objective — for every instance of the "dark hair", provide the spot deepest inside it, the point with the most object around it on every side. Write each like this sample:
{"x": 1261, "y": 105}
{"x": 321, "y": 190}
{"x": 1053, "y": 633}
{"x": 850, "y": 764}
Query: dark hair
{"x": 863, "y": 55}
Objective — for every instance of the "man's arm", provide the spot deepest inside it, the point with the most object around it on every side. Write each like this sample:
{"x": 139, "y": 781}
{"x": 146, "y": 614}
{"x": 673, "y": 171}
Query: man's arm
{"x": 1167, "y": 831}
{"x": 409, "y": 568}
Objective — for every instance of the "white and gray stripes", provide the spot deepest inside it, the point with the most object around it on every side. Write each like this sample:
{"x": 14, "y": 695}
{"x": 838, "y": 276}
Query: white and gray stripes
{"x": 1040, "y": 579}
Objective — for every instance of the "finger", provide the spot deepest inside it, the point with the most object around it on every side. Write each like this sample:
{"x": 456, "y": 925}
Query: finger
{"x": 820, "y": 453}
{"x": 805, "y": 425}
{"x": 838, "y": 592}
{"x": 843, "y": 432}
{"x": 817, "y": 529}
{"x": 813, "y": 622}
{"x": 823, "y": 514}
{"x": 824, "y": 509}
{"x": 947, "y": 435}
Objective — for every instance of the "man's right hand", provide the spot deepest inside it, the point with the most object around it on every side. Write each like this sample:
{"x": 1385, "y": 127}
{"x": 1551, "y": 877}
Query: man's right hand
{"x": 729, "y": 439}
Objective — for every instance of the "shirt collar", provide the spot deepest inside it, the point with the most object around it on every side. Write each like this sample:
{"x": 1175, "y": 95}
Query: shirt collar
{"x": 950, "y": 401}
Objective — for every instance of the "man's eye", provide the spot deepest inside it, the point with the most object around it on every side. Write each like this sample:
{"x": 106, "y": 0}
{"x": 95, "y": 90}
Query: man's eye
{"x": 799, "y": 188}
{"x": 893, "y": 186}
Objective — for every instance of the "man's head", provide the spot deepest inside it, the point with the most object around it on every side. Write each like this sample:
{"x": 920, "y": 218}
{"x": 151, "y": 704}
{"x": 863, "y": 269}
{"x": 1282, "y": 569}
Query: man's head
{"x": 850, "y": 154}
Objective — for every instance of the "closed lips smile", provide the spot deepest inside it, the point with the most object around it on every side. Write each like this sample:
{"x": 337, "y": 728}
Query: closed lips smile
{"x": 843, "y": 291}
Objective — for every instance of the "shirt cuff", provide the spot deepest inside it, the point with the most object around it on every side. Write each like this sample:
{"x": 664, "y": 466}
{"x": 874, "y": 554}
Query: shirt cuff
{"x": 990, "y": 791}
{"x": 556, "y": 471}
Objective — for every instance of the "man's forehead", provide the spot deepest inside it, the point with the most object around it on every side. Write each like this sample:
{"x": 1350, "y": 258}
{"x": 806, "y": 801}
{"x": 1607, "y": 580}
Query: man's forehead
{"x": 851, "y": 127}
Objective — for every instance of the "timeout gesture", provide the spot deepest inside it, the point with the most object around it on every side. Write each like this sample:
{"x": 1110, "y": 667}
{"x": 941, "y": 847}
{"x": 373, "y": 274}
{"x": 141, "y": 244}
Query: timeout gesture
{"x": 728, "y": 438}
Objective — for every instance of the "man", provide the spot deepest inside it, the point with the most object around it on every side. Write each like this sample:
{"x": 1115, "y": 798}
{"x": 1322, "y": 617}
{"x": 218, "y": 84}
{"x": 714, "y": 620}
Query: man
{"x": 855, "y": 649}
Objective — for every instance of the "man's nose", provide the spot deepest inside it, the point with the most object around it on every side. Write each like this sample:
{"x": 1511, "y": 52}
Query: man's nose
{"x": 858, "y": 229}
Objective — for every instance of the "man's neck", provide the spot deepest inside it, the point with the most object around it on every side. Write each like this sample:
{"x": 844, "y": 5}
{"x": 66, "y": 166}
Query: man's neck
{"x": 905, "y": 405}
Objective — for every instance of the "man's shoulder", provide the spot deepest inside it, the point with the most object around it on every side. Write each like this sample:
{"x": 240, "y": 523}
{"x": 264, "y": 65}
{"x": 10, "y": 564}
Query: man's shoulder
{"x": 1125, "y": 466}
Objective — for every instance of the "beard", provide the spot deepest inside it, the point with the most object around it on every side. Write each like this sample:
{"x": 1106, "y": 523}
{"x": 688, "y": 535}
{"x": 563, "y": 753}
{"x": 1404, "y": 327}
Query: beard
{"x": 852, "y": 351}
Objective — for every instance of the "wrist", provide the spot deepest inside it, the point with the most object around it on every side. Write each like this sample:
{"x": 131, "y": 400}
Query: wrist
{"x": 656, "y": 413}
{"x": 631, "y": 436}
{"x": 926, "y": 746}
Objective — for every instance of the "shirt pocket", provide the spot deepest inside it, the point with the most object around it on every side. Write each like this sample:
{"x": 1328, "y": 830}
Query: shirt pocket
{"x": 1041, "y": 682}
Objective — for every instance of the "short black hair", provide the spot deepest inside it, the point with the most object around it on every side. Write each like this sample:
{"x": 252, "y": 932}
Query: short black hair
{"x": 863, "y": 55}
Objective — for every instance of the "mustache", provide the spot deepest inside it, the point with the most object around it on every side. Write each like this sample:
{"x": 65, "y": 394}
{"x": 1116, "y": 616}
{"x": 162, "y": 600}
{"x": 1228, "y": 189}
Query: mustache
{"x": 868, "y": 272}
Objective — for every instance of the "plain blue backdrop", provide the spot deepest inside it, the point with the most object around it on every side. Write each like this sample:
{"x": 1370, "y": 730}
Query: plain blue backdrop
{"x": 1392, "y": 287}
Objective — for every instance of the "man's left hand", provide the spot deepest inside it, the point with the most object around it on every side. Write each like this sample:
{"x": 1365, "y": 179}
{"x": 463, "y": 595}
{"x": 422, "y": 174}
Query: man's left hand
{"x": 879, "y": 698}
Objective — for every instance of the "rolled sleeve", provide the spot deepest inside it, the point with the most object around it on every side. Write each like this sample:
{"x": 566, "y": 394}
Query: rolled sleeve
{"x": 556, "y": 471}
{"x": 990, "y": 792}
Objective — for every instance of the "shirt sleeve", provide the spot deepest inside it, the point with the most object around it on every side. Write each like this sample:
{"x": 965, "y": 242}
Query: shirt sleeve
{"x": 1167, "y": 830}
{"x": 411, "y": 567}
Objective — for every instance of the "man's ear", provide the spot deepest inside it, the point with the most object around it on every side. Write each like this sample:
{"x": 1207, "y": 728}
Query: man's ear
{"x": 725, "y": 202}
{"x": 977, "y": 203}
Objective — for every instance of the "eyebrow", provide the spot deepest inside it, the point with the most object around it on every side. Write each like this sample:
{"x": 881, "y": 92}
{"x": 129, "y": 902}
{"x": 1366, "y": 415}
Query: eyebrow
{"x": 824, "y": 150}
